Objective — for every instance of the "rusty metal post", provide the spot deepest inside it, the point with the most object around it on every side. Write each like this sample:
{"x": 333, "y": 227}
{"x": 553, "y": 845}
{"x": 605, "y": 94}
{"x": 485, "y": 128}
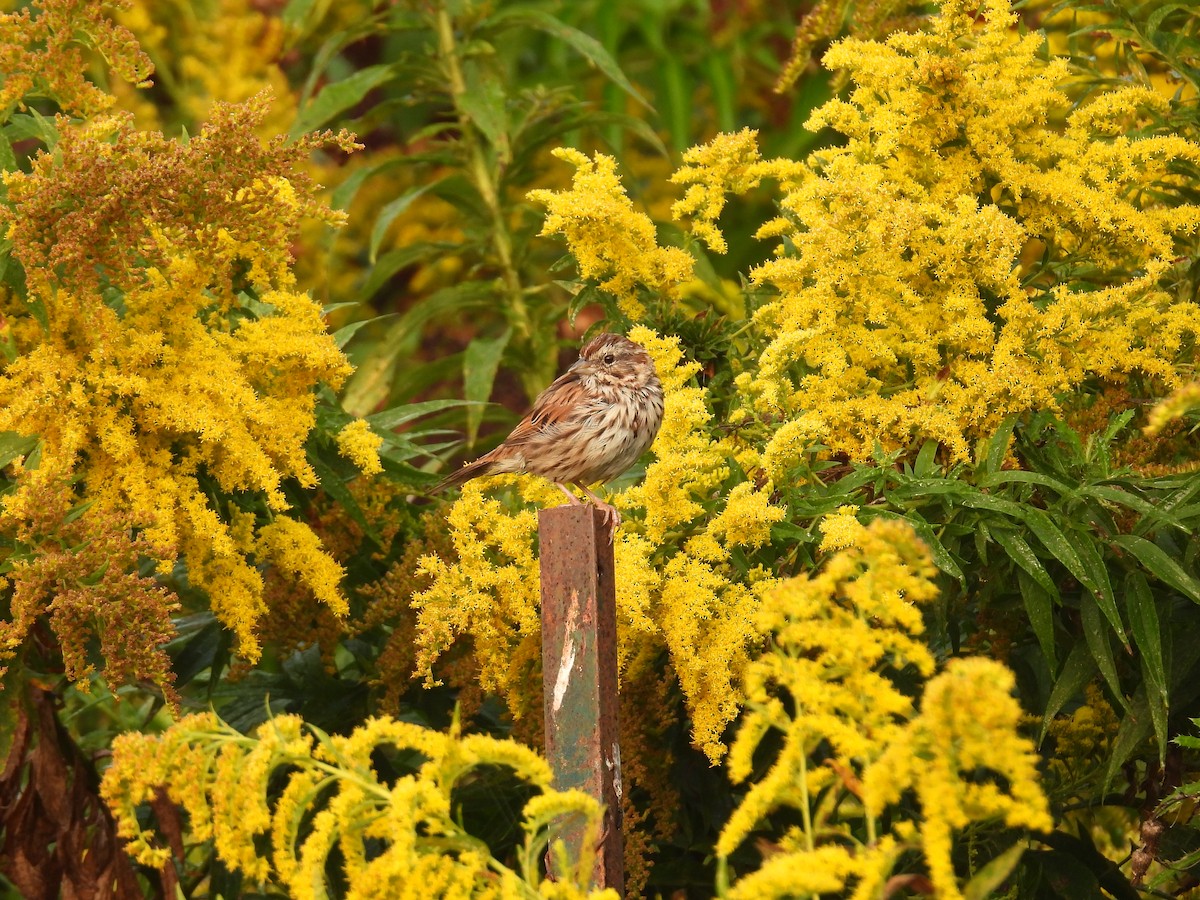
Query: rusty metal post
{"x": 579, "y": 666}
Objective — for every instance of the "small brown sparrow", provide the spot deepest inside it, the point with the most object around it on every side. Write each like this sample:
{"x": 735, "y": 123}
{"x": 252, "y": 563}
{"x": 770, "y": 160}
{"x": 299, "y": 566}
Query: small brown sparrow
{"x": 590, "y": 425}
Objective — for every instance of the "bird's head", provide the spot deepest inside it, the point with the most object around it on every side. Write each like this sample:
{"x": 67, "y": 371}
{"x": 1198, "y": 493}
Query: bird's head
{"x": 613, "y": 359}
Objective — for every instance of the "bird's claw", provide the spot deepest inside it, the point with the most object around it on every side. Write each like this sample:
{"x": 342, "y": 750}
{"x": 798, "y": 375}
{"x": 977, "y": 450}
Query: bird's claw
{"x": 612, "y": 518}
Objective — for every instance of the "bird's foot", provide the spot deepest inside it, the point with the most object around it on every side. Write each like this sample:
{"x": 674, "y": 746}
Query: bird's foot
{"x": 575, "y": 501}
{"x": 612, "y": 516}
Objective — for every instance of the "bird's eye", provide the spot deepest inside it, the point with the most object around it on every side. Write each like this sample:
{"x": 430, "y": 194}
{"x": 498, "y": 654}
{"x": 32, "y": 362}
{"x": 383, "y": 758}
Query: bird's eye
{"x": 608, "y": 359}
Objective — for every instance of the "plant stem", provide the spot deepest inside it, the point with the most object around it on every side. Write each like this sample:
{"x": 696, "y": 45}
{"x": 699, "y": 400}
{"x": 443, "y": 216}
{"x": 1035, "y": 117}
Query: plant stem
{"x": 485, "y": 174}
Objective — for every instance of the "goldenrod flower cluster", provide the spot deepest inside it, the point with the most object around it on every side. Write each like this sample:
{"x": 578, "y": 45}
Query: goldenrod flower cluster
{"x": 901, "y": 309}
{"x": 491, "y": 592}
{"x": 43, "y": 55}
{"x": 852, "y": 743}
{"x": 164, "y": 354}
{"x": 1182, "y": 401}
{"x": 359, "y": 444}
{"x": 967, "y": 725}
{"x": 612, "y": 242}
{"x": 306, "y": 794}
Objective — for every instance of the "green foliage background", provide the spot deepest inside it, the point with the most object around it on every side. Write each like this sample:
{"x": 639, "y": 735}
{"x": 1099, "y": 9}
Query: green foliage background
{"x": 1067, "y": 550}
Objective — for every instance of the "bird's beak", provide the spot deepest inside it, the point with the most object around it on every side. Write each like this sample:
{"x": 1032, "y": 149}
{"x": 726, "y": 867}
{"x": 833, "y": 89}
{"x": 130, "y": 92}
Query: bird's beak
{"x": 580, "y": 363}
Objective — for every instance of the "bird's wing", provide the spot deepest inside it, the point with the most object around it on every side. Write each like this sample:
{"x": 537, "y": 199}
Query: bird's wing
{"x": 554, "y": 408}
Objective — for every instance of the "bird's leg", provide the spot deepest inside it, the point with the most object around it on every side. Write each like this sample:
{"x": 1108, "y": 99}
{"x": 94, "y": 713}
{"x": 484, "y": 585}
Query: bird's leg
{"x": 575, "y": 501}
{"x": 611, "y": 515}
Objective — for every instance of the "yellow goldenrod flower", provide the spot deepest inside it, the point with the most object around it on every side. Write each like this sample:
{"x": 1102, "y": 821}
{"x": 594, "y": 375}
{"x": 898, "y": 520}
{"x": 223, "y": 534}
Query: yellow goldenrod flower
{"x": 359, "y": 444}
{"x": 610, "y": 240}
{"x": 398, "y": 837}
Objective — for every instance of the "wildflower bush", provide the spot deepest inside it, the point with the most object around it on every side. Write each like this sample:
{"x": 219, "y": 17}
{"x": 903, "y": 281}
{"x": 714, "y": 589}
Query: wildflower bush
{"x": 903, "y": 586}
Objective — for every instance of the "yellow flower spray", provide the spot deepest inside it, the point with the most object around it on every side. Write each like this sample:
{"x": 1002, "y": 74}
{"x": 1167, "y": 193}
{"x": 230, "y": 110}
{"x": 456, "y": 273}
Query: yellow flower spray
{"x": 305, "y": 793}
{"x": 852, "y": 742}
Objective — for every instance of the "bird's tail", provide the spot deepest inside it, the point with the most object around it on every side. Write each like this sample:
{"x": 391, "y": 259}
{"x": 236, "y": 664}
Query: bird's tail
{"x": 481, "y": 466}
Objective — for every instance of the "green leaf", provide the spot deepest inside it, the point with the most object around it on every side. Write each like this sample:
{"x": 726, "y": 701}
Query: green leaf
{"x": 342, "y": 336}
{"x": 12, "y": 273}
{"x": 389, "y": 213}
{"x": 1134, "y": 728}
{"x": 8, "y": 159}
{"x": 1060, "y": 548}
{"x": 1095, "y": 633}
{"x": 1147, "y": 634}
{"x": 639, "y": 127}
{"x": 979, "y": 500}
{"x": 721, "y": 83}
{"x": 372, "y": 380}
{"x": 484, "y": 104}
{"x": 338, "y": 96}
{"x": 1156, "y": 19}
{"x": 1093, "y": 564}
{"x": 1022, "y": 554}
{"x": 1115, "y": 426}
{"x": 933, "y": 487}
{"x": 585, "y": 45}
{"x": 1159, "y": 564}
{"x": 343, "y": 195}
{"x": 37, "y": 309}
{"x": 1078, "y": 870}
{"x": 335, "y": 486}
{"x": 78, "y": 510}
{"x": 32, "y": 125}
{"x": 1020, "y": 476}
{"x": 998, "y": 444}
{"x": 13, "y": 445}
{"x": 385, "y": 421}
{"x": 296, "y": 13}
{"x": 924, "y": 465}
{"x": 1076, "y": 672}
{"x": 992, "y": 875}
{"x": 1039, "y": 606}
{"x": 1120, "y": 497}
{"x": 394, "y": 261}
{"x": 480, "y": 362}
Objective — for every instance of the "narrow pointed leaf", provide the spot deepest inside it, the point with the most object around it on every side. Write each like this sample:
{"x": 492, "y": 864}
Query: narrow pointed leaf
{"x": 1039, "y": 606}
{"x": 1076, "y": 672}
{"x": 484, "y": 104}
{"x": 1159, "y": 564}
{"x": 1134, "y": 728}
{"x": 480, "y": 362}
{"x": 394, "y": 261}
{"x": 1056, "y": 542}
{"x": 998, "y": 444}
{"x": 1022, "y": 554}
{"x": 984, "y": 882}
{"x": 1095, "y": 633}
{"x": 1147, "y": 634}
{"x": 13, "y": 445}
{"x": 401, "y": 415}
{"x": 1097, "y": 571}
{"x": 389, "y": 214}
{"x": 338, "y": 96}
{"x": 585, "y": 45}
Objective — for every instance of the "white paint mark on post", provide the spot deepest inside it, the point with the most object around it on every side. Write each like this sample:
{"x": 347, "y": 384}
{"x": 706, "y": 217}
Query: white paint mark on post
{"x": 563, "y": 679}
